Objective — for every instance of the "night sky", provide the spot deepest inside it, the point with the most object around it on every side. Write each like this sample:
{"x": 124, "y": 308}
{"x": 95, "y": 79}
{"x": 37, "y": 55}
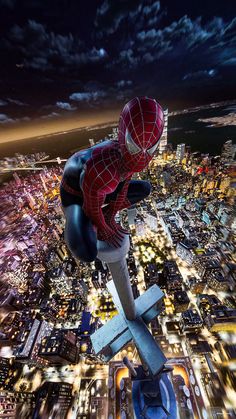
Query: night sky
{"x": 63, "y": 56}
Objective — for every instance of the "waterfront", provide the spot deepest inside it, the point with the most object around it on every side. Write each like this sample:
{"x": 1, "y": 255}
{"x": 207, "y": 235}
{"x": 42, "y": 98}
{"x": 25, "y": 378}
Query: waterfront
{"x": 183, "y": 128}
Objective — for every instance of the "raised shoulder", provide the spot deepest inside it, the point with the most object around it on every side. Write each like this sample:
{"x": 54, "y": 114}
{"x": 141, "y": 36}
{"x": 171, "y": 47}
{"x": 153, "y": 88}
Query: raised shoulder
{"x": 101, "y": 173}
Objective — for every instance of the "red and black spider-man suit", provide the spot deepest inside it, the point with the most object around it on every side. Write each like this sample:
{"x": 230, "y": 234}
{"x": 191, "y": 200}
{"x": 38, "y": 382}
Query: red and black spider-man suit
{"x": 102, "y": 175}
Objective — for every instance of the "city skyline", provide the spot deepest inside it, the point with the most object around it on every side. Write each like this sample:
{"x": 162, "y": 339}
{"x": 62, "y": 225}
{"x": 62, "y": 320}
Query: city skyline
{"x": 181, "y": 239}
{"x": 151, "y": 325}
{"x": 65, "y": 59}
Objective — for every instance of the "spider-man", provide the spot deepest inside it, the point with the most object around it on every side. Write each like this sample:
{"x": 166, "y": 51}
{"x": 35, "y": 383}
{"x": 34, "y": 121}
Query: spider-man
{"x": 102, "y": 175}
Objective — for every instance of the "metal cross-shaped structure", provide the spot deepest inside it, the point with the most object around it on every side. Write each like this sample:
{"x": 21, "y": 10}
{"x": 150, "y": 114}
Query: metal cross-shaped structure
{"x": 134, "y": 315}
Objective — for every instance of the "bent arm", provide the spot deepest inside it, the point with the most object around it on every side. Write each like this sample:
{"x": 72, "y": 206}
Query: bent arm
{"x": 121, "y": 200}
{"x": 92, "y": 207}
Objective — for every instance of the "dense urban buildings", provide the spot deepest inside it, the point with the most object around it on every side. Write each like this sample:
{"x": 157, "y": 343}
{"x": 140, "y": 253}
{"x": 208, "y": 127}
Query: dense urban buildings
{"x": 182, "y": 239}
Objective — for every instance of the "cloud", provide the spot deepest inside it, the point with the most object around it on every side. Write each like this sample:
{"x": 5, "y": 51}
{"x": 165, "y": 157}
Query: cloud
{"x": 17, "y": 102}
{"x": 50, "y": 115}
{"x": 8, "y": 3}
{"x": 183, "y": 42}
{"x": 66, "y": 106}
{"x": 124, "y": 83}
{"x": 230, "y": 61}
{"x": 44, "y": 50}
{"x": 112, "y": 16}
{"x": 4, "y": 119}
{"x": 201, "y": 74}
{"x": 152, "y": 8}
{"x": 87, "y": 96}
{"x": 12, "y": 101}
{"x": 128, "y": 58}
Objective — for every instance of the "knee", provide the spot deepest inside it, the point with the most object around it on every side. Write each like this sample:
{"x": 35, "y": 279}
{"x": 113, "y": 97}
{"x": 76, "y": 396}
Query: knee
{"x": 147, "y": 188}
{"x": 88, "y": 257}
{"x": 84, "y": 254}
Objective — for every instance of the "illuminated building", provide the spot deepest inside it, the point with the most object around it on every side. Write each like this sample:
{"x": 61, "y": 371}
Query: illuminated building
{"x": 60, "y": 347}
{"x": 197, "y": 346}
{"x": 140, "y": 228}
{"x": 151, "y": 221}
{"x": 7, "y": 405}
{"x": 228, "y": 151}
{"x": 224, "y": 184}
{"x": 31, "y": 200}
{"x": 214, "y": 390}
{"x": 6, "y": 373}
{"x": 32, "y": 333}
{"x": 208, "y": 266}
{"x": 174, "y": 233}
{"x": 88, "y": 325}
{"x": 24, "y": 350}
{"x": 53, "y": 399}
{"x": 43, "y": 183}
{"x": 96, "y": 279}
{"x": 163, "y": 139}
{"x": 227, "y": 353}
{"x": 62, "y": 252}
{"x": 206, "y": 302}
{"x": 17, "y": 179}
{"x": 226, "y": 216}
{"x": 196, "y": 285}
{"x": 230, "y": 301}
{"x": 221, "y": 319}
{"x": 200, "y": 204}
{"x": 99, "y": 278}
{"x": 181, "y": 395}
{"x": 208, "y": 218}
{"x": 182, "y": 218}
{"x": 151, "y": 274}
{"x": 180, "y": 152}
{"x": 171, "y": 274}
{"x": 98, "y": 400}
{"x": 181, "y": 301}
{"x": 190, "y": 321}
{"x": 185, "y": 250}
{"x": 132, "y": 212}
{"x": 117, "y": 384}
{"x": 17, "y": 404}
{"x": 218, "y": 281}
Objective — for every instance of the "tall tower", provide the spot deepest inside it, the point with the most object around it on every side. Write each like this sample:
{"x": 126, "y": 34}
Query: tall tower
{"x": 228, "y": 151}
{"x": 43, "y": 182}
{"x": 180, "y": 152}
{"x": 163, "y": 140}
{"x": 17, "y": 179}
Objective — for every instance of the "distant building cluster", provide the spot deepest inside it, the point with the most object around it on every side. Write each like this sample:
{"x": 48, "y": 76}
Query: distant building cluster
{"x": 182, "y": 239}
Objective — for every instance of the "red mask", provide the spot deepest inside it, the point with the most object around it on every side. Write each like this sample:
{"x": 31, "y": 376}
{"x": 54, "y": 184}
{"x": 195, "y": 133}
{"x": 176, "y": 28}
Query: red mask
{"x": 140, "y": 128}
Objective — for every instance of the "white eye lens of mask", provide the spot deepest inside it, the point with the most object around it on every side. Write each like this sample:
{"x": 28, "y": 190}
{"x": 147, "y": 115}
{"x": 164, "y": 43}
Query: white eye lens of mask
{"x": 131, "y": 146}
{"x": 152, "y": 149}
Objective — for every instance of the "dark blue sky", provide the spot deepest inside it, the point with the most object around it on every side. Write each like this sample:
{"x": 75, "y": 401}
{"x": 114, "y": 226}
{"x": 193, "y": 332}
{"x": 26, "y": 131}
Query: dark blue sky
{"x": 60, "y": 56}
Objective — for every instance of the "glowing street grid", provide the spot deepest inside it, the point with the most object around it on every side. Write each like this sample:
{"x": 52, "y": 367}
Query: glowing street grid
{"x": 182, "y": 238}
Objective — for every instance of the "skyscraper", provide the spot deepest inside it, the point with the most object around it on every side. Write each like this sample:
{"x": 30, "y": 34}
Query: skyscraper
{"x": 163, "y": 140}
{"x": 228, "y": 151}
{"x": 180, "y": 151}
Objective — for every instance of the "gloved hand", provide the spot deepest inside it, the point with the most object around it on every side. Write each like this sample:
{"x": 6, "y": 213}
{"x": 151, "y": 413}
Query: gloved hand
{"x": 111, "y": 234}
{"x": 109, "y": 215}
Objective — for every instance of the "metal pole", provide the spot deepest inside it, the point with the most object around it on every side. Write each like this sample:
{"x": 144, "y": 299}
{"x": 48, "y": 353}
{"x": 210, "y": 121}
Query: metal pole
{"x": 120, "y": 276}
{"x": 115, "y": 258}
{"x": 130, "y": 366}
